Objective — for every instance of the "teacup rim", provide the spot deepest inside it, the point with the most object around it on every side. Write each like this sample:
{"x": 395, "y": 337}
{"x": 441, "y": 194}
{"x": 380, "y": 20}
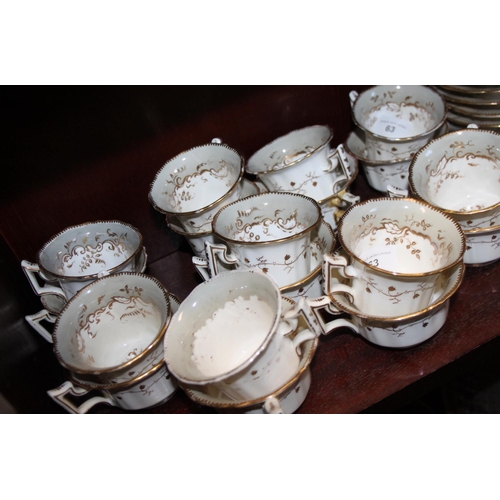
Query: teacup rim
{"x": 258, "y": 351}
{"x": 400, "y": 200}
{"x": 206, "y": 207}
{"x": 422, "y": 151}
{"x": 280, "y": 138}
{"x": 461, "y": 267}
{"x": 86, "y": 277}
{"x": 401, "y": 139}
{"x": 311, "y": 227}
{"x": 152, "y": 345}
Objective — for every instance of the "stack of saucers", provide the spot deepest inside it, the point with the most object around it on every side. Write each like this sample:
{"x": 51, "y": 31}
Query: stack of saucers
{"x": 304, "y": 162}
{"x": 392, "y": 123}
{"x": 472, "y": 104}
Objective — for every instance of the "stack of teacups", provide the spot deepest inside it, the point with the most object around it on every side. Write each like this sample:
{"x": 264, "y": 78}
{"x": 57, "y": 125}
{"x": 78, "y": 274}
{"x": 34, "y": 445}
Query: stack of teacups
{"x": 460, "y": 174}
{"x": 392, "y": 123}
{"x": 230, "y": 345}
{"x": 303, "y": 162}
{"x": 191, "y": 187}
{"x": 282, "y": 234}
{"x": 109, "y": 336}
{"x": 79, "y": 255}
{"x": 399, "y": 263}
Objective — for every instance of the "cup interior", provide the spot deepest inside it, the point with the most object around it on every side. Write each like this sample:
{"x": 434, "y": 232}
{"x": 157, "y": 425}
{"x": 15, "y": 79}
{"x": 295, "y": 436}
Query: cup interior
{"x": 196, "y": 179}
{"x": 289, "y": 149}
{"x": 459, "y": 171}
{"x": 399, "y": 111}
{"x": 222, "y": 326}
{"x": 401, "y": 236}
{"x": 111, "y": 323}
{"x": 89, "y": 249}
{"x": 267, "y": 217}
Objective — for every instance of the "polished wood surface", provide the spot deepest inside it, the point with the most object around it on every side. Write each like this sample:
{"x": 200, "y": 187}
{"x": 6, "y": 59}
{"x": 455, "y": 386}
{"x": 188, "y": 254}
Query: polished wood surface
{"x": 62, "y": 173}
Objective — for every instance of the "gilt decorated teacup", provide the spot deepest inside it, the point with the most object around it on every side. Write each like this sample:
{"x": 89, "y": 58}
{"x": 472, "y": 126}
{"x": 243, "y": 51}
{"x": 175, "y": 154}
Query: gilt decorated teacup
{"x": 112, "y": 330}
{"x": 459, "y": 173}
{"x": 396, "y": 250}
{"x": 229, "y": 338}
{"x": 397, "y": 119}
{"x": 195, "y": 184}
{"x": 406, "y": 330}
{"x": 302, "y": 162}
{"x": 80, "y": 254}
{"x": 287, "y": 399}
{"x": 271, "y": 232}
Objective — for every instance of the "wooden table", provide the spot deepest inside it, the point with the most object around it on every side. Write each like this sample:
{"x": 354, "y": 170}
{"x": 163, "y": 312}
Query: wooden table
{"x": 349, "y": 374}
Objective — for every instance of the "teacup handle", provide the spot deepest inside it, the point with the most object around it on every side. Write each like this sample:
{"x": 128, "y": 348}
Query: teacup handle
{"x": 31, "y": 269}
{"x": 310, "y": 309}
{"x": 353, "y": 96}
{"x": 395, "y": 192}
{"x": 35, "y": 319}
{"x": 339, "y": 157}
{"x": 59, "y": 396}
{"x": 272, "y": 406}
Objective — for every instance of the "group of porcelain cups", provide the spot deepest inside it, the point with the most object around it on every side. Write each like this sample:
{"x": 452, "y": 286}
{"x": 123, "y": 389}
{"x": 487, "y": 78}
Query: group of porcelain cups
{"x": 281, "y": 223}
{"x": 109, "y": 318}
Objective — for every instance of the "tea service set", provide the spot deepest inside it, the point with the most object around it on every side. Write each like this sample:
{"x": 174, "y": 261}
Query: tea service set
{"x": 285, "y": 256}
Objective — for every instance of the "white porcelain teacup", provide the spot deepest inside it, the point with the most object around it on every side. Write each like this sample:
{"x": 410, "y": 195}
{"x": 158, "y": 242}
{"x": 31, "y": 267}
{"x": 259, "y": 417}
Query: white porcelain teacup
{"x": 80, "y": 254}
{"x": 397, "y": 119}
{"x": 150, "y": 387}
{"x": 459, "y": 173}
{"x": 287, "y": 399}
{"x": 229, "y": 338}
{"x": 406, "y": 330}
{"x": 270, "y": 231}
{"x": 112, "y": 330}
{"x": 302, "y": 162}
{"x": 396, "y": 250}
{"x": 196, "y": 183}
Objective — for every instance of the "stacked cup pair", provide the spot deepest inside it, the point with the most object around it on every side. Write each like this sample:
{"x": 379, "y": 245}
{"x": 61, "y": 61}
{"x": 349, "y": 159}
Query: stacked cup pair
{"x": 392, "y": 123}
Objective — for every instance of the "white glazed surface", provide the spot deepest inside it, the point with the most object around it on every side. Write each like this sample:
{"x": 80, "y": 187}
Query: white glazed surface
{"x": 115, "y": 324}
{"x": 259, "y": 370}
{"x": 397, "y": 119}
{"x": 459, "y": 173}
{"x": 196, "y": 179}
{"x": 397, "y": 248}
{"x": 302, "y": 162}
{"x": 482, "y": 247}
{"x": 271, "y": 232}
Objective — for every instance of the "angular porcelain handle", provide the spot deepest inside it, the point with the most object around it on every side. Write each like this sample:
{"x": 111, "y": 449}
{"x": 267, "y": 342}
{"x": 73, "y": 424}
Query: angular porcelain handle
{"x": 339, "y": 157}
{"x": 201, "y": 266}
{"x": 31, "y": 270}
{"x": 218, "y": 252}
{"x": 59, "y": 396}
{"x": 35, "y": 319}
{"x": 353, "y": 97}
{"x": 272, "y": 406}
{"x": 311, "y": 309}
{"x": 395, "y": 192}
